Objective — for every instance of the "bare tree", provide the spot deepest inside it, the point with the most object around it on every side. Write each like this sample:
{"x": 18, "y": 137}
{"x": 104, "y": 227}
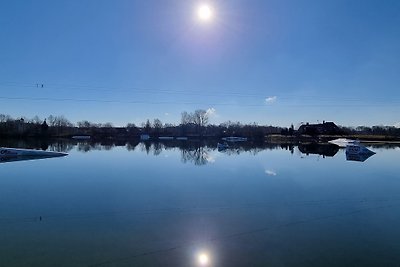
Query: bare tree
{"x": 5, "y": 118}
{"x": 157, "y": 125}
{"x": 107, "y": 125}
{"x": 186, "y": 118}
{"x": 200, "y": 117}
{"x": 36, "y": 120}
{"x": 146, "y": 126}
{"x": 84, "y": 124}
{"x": 51, "y": 120}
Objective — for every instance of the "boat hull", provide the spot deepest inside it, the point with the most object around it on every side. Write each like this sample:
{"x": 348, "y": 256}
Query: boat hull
{"x": 18, "y": 152}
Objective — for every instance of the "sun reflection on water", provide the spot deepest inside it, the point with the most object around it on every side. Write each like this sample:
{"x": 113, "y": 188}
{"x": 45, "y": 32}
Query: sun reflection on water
{"x": 203, "y": 259}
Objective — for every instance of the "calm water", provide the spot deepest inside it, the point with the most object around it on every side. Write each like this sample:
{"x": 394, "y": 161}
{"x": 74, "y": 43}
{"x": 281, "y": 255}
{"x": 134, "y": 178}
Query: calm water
{"x": 156, "y": 205}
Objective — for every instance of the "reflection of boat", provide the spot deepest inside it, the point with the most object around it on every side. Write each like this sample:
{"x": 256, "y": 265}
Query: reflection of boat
{"x": 15, "y": 152}
{"x": 234, "y": 139}
{"x": 24, "y": 158}
{"x": 18, "y": 154}
{"x": 343, "y": 142}
{"x": 222, "y": 146}
{"x": 358, "y": 157}
{"x": 358, "y": 150}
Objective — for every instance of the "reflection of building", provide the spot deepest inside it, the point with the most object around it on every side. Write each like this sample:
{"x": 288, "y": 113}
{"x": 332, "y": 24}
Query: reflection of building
{"x": 327, "y": 150}
{"x": 328, "y": 128}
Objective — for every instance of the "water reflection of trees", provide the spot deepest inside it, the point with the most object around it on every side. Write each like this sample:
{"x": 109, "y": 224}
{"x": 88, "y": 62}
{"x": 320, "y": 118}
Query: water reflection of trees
{"x": 87, "y": 147}
{"x": 199, "y": 155}
{"x": 60, "y": 145}
{"x": 131, "y": 145}
{"x": 198, "y": 152}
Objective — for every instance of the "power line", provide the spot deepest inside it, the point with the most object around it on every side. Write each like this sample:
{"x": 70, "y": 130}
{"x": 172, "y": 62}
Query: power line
{"x": 193, "y": 103}
{"x": 187, "y": 92}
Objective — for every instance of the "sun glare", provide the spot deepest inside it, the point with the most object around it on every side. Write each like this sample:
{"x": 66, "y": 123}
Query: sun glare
{"x": 204, "y": 12}
{"x": 203, "y": 259}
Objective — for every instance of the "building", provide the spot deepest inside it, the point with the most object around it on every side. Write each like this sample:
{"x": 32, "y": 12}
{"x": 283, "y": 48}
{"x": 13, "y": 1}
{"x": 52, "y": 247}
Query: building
{"x": 325, "y": 128}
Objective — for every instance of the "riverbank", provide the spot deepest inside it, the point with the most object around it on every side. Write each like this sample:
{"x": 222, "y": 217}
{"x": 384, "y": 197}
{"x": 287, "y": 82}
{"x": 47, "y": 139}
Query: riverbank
{"x": 381, "y": 139}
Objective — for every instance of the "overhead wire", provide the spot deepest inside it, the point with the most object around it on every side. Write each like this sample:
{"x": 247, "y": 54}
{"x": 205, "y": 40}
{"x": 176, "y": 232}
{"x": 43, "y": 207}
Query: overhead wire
{"x": 190, "y": 103}
{"x": 297, "y": 101}
{"x": 142, "y": 90}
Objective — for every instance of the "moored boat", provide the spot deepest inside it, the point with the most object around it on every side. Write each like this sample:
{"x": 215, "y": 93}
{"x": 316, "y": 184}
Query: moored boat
{"x": 17, "y": 152}
{"x": 343, "y": 142}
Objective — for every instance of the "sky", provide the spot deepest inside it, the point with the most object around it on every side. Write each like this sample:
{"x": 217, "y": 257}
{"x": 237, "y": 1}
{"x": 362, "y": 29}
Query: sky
{"x": 273, "y": 62}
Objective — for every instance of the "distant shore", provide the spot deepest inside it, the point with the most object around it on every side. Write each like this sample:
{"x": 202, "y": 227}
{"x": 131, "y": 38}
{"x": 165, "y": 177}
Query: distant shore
{"x": 268, "y": 139}
{"x": 193, "y": 126}
{"x": 325, "y": 138}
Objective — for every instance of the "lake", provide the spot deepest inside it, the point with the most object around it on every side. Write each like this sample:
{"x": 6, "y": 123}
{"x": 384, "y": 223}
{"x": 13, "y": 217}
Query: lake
{"x": 188, "y": 204}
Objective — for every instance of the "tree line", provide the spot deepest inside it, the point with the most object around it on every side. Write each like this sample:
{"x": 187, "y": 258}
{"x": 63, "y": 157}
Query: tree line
{"x": 194, "y": 124}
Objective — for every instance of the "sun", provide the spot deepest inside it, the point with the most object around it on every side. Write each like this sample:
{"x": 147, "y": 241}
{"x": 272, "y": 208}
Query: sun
{"x": 205, "y": 12}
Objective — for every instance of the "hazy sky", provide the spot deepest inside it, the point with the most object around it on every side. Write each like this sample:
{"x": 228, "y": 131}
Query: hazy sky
{"x": 272, "y": 62}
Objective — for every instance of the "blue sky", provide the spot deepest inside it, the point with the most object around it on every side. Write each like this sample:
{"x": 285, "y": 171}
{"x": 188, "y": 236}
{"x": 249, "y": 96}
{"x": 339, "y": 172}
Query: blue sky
{"x": 270, "y": 62}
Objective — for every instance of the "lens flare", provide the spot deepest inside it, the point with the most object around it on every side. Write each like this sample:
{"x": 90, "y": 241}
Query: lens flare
{"x": 204, "y": 12}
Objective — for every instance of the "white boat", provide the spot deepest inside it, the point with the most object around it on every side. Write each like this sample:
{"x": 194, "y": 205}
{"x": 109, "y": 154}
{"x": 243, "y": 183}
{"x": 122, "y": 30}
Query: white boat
{"x": 182, "y": 138}
{"x": 343, "y": 142}
{"x": 358, "y": 150}
{"x": 18, "y": 152}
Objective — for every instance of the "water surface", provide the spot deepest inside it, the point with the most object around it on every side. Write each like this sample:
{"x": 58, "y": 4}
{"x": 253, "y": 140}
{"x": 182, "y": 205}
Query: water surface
{"x": 162, "y": 205}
